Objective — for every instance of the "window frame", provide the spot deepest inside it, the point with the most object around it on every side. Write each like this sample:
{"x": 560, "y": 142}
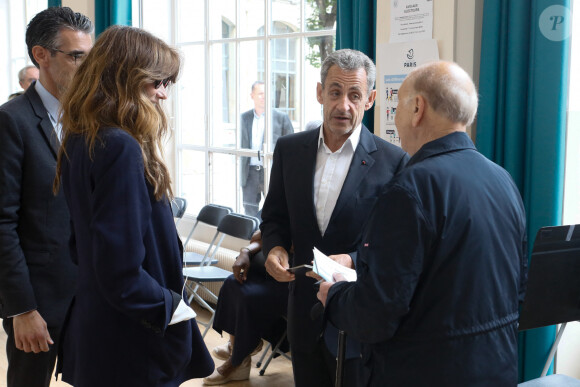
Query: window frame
{"x": 173, "y": 107}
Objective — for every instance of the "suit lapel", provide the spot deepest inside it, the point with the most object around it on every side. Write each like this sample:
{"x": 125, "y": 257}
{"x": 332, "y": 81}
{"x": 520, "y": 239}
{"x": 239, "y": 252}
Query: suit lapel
{"x": 44, "y": 125}
{"x": 361, "y": 164}
{"x": 307, "y": 162}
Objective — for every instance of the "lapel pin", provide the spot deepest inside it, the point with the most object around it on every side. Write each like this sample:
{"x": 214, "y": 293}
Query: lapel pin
{"x": 364, "y": 163}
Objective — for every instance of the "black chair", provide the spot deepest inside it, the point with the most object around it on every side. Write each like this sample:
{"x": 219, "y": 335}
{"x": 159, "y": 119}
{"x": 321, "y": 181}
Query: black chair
{"x": 553, "y": 292}
{"x": 178, "y": 206}
{"x": 211, "y": 214}
{"x": 235, "y": 225}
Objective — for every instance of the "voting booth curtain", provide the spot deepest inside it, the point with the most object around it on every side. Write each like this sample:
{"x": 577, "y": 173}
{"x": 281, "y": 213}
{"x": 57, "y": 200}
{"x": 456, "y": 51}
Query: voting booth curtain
{"x": 356, "y": 26}
{"x": 111, "y": 12}
{"x": 521, "y": 125}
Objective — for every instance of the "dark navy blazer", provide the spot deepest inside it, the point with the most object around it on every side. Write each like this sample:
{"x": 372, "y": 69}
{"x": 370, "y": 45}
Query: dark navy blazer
{"x": 441, "y": 270}
{"x": 130, "y": 270}
{"x": 36, "y": 271}
{"x": 289, "y": 215}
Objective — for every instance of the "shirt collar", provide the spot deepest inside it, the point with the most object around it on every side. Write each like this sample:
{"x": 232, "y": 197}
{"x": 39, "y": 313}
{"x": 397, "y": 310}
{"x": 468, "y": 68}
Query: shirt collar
{"x": 256, "y": 116}
{"x": 49, "y": 101}
{"x": 449, "y": 143}
{"x": 352, "y": 140}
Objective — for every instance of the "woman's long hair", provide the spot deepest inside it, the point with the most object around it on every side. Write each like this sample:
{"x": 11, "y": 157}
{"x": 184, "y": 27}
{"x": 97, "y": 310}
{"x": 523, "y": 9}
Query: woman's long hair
{"x": 108, "y": 90}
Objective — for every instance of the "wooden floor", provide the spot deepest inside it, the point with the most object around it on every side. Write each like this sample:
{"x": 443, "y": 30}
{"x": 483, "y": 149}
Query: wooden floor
{"x": 279, "y": 372}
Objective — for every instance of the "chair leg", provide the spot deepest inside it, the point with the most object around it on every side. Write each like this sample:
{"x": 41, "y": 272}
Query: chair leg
{"x": 275, "y": 350}
{"x": 259, "y": 363}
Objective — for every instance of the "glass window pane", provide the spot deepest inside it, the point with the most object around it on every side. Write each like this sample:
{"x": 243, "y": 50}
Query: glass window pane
{"x": 285, "y": 89}
{"x": 285, "y": 16}
{"x": 193, "y": 180}
{"x": 222, "y": 19}
{"x": 252, "y": 18}
{"x": 251, "y": 70}
{"x": 223, "y": 92}
{"x": 191, "y": 97}
{"x": 190, "y": 20}
{"x": 317, "y": 49}
{"x": 320, "y": 19}
{"x": 153, "y": 12}
{"x": 223, "y": 178}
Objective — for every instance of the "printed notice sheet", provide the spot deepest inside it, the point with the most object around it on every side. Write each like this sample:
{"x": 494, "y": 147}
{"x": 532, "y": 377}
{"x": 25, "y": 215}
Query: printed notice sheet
{"x": 326, "y": 267}
{"x": 411, "y": 20}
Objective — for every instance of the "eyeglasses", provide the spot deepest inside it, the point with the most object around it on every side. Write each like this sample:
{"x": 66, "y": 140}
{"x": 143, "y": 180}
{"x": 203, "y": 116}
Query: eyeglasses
{"x": 165, "y": 82}
{"x": 78, "y": 56}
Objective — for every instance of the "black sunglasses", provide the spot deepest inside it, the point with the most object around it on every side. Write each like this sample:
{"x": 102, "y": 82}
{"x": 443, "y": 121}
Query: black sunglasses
{"x": 165, "y": 82}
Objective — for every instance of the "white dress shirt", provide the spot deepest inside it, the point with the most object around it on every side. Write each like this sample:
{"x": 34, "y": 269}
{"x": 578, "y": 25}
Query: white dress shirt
{"x": 331, "y": 171}
{"x": 52, "y": 106}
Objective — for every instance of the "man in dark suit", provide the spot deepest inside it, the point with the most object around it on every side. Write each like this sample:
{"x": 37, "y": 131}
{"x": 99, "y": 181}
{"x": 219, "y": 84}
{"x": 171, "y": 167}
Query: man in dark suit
{"x": 323, "y": 186}
{"x": 442, "y": 266}
{"x": 253, "y": 123}
{"x": 37, "y": 276}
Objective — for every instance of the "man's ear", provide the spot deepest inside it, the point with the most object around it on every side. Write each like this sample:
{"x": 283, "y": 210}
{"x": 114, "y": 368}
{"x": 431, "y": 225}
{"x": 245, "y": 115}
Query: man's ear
{"x": 40, "y": 55}
{"x": 419, "y": 109}
{"x": 371, "y": 100}
{"x": 319, "y": 92}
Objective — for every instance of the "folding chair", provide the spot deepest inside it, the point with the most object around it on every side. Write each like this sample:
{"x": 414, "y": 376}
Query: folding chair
{"x": 211, "y": 214}
{"x": 275, "y": 351}
{"x": 235, "y": 225}
{"x": 178, "y": 206}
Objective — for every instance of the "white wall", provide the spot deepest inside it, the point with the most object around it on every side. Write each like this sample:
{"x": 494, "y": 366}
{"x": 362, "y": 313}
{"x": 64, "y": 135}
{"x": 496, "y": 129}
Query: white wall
{"x": 86, "y": 7}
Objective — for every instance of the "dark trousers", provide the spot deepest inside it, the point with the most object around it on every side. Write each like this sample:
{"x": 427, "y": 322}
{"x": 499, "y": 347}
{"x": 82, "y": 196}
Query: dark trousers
{"x": 251, "y": 311}
{"x": 29, "y": 369}
{"x": 318, "y": 368}
{"x": 253, "y": 189}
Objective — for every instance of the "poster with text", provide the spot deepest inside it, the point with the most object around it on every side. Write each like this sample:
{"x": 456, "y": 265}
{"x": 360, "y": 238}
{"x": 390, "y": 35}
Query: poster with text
{"x": 411, "y": 20}
{"x": 396, "y": 60}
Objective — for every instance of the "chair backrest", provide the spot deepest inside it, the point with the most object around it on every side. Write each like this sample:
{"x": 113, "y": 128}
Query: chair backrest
{"x": 238, "y": 225}
{"x": 178, "y": 206}
{"x": 211, "y": 214}
{"x": 235, "y": 225}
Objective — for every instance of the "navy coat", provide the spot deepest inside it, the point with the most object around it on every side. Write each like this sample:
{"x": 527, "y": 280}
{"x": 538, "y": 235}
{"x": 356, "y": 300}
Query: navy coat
{"x": 130, "y": 274}
{"x": 289, "y": 216}
{"x": 441, "y": 270}
{"x": 36, "y": 271}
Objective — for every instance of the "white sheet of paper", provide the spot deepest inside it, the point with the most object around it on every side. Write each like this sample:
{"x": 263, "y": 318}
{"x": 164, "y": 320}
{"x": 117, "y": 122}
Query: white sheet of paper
{"x": 326, "y": 267}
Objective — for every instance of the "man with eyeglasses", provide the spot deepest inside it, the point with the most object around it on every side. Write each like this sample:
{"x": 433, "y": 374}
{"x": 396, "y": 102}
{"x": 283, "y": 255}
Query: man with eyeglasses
{"x": 37, "y": 275}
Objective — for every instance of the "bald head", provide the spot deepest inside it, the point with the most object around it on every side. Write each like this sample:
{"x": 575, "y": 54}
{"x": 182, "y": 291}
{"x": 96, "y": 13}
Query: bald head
{"x": 448, "y": 90}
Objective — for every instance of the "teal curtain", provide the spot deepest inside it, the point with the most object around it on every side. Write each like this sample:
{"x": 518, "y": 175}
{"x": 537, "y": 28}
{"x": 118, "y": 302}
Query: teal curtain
{"x": 54, "y": 3}
{"x": 521, "y": 125}
{"x": 111, "y": 12}
{"x": 356, "y": 26}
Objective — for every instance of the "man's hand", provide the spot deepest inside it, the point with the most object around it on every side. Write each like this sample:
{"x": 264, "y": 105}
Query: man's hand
{"x": 242, "y": 265}
{"x": 343, "y": 259}
{"x": 30, "y": 332}
{"x": 322, "y": 294}
{"x": 277, "y": 263}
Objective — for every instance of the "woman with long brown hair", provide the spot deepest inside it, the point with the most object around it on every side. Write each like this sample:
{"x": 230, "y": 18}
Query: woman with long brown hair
{"x": 129, "y": 324}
